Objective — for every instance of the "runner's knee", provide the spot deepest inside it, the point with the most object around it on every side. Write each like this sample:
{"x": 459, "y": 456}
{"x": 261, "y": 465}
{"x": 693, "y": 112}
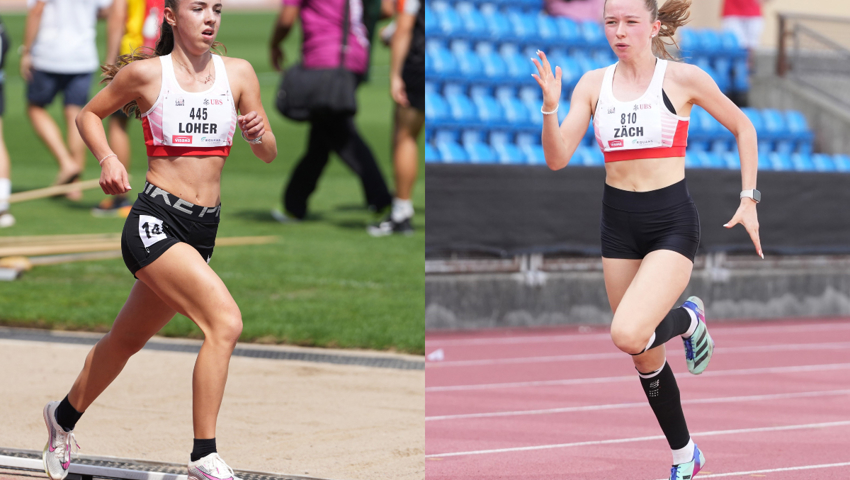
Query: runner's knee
{"x": 628, "y": 339}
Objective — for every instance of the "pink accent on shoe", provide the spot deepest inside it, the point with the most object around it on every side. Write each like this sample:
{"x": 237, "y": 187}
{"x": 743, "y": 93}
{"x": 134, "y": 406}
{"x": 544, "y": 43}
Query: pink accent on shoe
{"x": 214, "y": 478}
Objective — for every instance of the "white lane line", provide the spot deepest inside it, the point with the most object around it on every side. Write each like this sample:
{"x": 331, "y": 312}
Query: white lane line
{"x": 771, "y": 470}
{"x": 761, "y": 330}
{"x": 613, "y": 406}
{"x": 631, "y": 378}
{"x": 641, "y": 439}
{"x": 790, "y": 347}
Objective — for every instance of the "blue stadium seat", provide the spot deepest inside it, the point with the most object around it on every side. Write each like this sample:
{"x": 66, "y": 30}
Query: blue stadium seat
{"x": 515, "y": 111}
{"x": 436, "y": 108}
{"x": 489, "y": 110}
{"x": 774, "y": 123}
{"x": 519, "y": 67}
{"x": 730, "y": 45}
{"x": 493, "y": 64}
{"x": 472, "y": 21}
{"x": 498, "y": 25}
{"x": 799, "y": 130}
{"x": 802, "y": 163}
{"x": 842, "y": 162}
{"x": 468, "y": 62}
{"x": 447, "y": 147}
{"x": 534, "y": 154}
{"x": 732, "y": 160}
{"x": 780, "y": 161}
{"x": 764, "y": 162}
{"x": 711, "y": 160}
{"x": 547, "y": 27}
{"x": 823, "y": 163}
{"x": 431, "y": 154}
{"x": 461, "y": 107}
{"x": 509, "y": 153}
{"x": 448, "y": 20}
{"x": 588, "y": 157}
{"x": 569, "y": 31}
{"x": 443, "y": 61}
{"x": 688, "y": 42}
{"x": 476, "y": 149}
{"x": 740, "y": 75}
{"x": 593, "y": 34}
{"x": 710, "y": 42}
{"x": 524, "y": 25}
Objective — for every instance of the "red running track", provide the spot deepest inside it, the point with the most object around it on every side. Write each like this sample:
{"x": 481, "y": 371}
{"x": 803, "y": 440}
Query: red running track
{"x": 564, "y": 403}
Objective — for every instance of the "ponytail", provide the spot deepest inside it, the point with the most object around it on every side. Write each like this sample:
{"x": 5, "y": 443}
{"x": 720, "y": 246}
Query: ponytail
{"x": 164, "y": 46}
{"x": 673, "y": 14}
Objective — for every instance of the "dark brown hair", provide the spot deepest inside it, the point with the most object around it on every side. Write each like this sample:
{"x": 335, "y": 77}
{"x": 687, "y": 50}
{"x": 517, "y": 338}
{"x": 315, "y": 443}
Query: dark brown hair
{"x": 673, "y": 14}
{"x": 164, "y": 46}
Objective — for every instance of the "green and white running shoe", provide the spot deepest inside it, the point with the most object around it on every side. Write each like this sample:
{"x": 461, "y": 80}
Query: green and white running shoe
{"x": 687, "y": 471}
{"x": 699, "y": 346}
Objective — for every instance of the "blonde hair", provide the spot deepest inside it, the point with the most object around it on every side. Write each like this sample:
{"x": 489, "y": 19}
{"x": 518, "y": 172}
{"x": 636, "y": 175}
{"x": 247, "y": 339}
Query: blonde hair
{"x": 164, "y": 46}
{"x": 673, "y": 14}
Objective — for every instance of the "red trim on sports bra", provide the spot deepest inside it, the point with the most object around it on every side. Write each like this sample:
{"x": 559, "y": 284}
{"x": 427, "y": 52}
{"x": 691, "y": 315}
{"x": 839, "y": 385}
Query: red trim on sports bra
{"x": 171, "y": 151}
{"x": 177, "y": 151}
{"x": 680, "y": 143}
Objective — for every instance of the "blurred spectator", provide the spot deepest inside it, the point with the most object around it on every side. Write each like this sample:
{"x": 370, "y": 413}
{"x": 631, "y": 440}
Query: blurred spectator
{"x": 6, "y": 218}
{"x": 322, "y": 24}
{"x": 743, "y": 17}
{"x": 407, "y": 87}
{"x": 60, "y": 54}
{"x": 131, "y": 24}
{"x": 576, "y": 9}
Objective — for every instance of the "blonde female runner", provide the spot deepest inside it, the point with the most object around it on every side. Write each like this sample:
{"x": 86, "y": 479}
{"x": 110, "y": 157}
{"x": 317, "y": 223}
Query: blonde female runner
{"x": 189, "y": 99}
{"x": 640, "y": 108}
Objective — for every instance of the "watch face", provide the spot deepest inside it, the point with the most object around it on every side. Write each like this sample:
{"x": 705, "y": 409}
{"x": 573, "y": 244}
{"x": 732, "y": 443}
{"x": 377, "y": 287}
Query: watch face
{"x": 756, "y": 195}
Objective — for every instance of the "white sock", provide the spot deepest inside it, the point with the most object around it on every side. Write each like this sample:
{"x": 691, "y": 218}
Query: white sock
{"x": 5, "y": 191}
{"x": 684, "y": 454}
{"x": 694, "y": 323}
{"x": 402, "y": 209}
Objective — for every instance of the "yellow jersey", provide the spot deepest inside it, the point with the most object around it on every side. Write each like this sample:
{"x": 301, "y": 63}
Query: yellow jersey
{"x": 144, "y": 19}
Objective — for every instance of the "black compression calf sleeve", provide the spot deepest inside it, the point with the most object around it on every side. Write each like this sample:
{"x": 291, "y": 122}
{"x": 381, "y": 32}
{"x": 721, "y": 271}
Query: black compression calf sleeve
{"x": 66, "y": 415}
{"x": 675, "y": 323}
{"x": 662, "y": 391}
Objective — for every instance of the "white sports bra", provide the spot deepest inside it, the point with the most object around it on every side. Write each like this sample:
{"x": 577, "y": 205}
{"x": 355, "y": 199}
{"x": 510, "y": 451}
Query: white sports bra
{"x": 641, "y": 128}
{"x": 182, "y": 123}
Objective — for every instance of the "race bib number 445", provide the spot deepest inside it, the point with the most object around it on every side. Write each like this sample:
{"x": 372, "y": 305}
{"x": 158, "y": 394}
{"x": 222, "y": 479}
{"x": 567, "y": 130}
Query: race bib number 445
{"x": 150, "y": 229}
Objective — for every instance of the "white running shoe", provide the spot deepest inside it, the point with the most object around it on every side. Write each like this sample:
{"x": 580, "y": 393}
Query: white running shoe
{"x": 57, "y": 452}
{"x": 211, "y": 467}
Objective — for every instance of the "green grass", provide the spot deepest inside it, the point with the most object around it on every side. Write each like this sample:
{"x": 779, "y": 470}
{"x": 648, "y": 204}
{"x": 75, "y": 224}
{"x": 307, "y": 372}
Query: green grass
{"x": 325, "y": 283}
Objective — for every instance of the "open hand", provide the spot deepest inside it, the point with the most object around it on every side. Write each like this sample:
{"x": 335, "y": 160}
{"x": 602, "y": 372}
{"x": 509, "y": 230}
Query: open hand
{"x": 746, "y": 216}
{"x": 550, "y": 83}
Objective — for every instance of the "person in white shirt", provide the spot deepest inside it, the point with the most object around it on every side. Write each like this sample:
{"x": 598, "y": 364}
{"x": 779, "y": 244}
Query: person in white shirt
{"x": 59, "y": 54}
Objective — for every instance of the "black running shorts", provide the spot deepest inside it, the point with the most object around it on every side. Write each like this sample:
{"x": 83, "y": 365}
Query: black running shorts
{"x": 159, "y": 220}
{"x": 636, "y": 223}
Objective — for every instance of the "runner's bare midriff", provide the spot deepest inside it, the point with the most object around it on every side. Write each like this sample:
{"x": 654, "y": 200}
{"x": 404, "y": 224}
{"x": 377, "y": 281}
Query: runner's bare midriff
{"x": 645, "y": 174}
{"x": 194, "y": 179}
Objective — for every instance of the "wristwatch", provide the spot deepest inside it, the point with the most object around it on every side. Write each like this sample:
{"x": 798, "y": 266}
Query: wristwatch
{"x": 256, "y": 141}
{"x": 754, "y": 194}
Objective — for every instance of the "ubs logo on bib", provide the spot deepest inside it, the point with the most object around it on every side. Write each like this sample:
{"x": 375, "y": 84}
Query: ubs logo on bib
{"x": 615, "y": 143}
{"x": 181, "y": 139}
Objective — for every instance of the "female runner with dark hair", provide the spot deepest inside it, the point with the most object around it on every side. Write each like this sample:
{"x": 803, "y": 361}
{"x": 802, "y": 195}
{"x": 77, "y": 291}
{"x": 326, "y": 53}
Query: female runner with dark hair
{"x": 650, "y": 227}
{"x": 189, "y": 100}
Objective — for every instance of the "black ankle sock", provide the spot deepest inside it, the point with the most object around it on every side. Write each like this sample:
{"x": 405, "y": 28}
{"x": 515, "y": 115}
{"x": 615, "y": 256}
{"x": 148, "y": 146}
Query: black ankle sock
{"x": 202, "y": 448}
{"x": 677, "y": 322}
{"x": 663, "y": 395}
{"x": 66, "y": 415}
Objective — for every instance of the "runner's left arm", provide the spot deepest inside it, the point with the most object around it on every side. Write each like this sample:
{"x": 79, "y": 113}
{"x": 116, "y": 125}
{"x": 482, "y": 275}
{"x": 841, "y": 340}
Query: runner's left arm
{"x": 252, "y": 120}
